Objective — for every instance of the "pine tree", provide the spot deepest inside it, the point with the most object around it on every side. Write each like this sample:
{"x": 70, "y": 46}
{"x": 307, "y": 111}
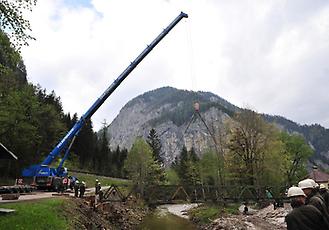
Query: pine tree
{"x": 85, "y": 146}
{"x": 154, "y": 141}
{"x": 104, "y": 152}
{"x": 187, "y": 167}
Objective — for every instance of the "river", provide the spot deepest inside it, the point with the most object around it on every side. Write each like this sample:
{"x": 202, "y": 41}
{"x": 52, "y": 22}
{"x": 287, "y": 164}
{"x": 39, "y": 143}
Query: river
{"x": 168, "y": 217}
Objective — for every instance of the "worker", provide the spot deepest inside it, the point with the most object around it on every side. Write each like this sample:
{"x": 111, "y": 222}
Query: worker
{"x": 303, "y": 217}
{"x": 82, "y": 189}
{"x": 245, "y": 209}
{"x": 313, "y": 197}
{"x": 325, "y": 195}
{"x": 76, "y": 188}
{"x": 98, "y": 187}
{"x": 71, "y": 182}
{"x": 100, "y": 195}
{"x": 65, "y": 183}
{"x": 269, "y": 196}
{"x": 61, "y": 188}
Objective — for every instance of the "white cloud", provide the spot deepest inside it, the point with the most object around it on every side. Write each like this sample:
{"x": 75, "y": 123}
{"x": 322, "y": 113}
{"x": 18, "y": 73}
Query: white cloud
{"x": 271, "y": 55}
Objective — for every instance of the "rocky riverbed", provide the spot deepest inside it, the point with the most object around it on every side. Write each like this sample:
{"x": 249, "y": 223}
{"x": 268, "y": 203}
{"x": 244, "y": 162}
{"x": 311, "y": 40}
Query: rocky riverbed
{"x": 178, "y": 209}
{"x": 132, "y": 215}
{"x": 263, "y": 219}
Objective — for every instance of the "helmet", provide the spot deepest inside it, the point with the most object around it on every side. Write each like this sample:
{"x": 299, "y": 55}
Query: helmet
{"x": 77, "y": 182}
{"x": 322, "y": 186}
{"x": 96, "y": 180}
{"x": 295, "y": 191}
{"x": 305, "y": 184}
{"x": 83, "y": 183}
{"x": 313, "y": 182}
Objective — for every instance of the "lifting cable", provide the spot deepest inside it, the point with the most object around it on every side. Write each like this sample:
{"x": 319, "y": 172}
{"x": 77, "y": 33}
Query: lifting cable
{"x": 190, "y": 56}
{"x": 211, "y": 134}
{"x": 193, "y": 118}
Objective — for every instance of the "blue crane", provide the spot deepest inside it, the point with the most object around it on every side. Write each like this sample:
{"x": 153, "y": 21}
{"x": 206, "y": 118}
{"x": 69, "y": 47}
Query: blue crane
{"x": 42, "y": 174}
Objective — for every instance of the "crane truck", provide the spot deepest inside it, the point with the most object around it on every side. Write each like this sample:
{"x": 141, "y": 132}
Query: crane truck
{"x": 42, "y": 175}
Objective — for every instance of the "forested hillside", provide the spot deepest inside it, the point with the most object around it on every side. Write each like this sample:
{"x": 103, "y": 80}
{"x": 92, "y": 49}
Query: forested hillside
{"x": 316, "y": 135}
{"x": 32, "y": 122}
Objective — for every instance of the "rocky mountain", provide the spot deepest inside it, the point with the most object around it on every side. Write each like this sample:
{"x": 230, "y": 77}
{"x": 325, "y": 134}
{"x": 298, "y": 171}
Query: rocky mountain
{"x": 171, "y": 113}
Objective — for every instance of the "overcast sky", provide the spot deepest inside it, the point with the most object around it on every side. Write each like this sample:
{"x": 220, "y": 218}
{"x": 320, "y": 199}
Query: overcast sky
{"x": 272, "y": 56}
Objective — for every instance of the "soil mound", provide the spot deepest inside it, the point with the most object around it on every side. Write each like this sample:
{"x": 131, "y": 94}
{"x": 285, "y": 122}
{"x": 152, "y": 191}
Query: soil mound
{"x": 108, "y": 215}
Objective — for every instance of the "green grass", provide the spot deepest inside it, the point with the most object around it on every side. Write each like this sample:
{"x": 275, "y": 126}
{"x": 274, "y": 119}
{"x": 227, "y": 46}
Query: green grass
{"x": 232, "y": 209}
{"x": 206, "y": 213}
{"x": 105, "y": 181}
{"x": 42, "y": 214}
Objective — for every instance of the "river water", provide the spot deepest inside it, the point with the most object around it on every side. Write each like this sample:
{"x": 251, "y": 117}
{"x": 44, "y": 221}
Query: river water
{"x": 163, "y": 219}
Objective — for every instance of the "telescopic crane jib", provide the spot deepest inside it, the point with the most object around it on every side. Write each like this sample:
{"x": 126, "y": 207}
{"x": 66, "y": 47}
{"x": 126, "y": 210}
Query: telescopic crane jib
{"x": 42, "y": 174}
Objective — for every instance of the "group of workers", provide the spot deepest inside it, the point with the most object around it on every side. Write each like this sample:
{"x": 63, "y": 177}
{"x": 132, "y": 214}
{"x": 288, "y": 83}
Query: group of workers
{"x": 310, "y": 203}
{"x": 79, "y": 188}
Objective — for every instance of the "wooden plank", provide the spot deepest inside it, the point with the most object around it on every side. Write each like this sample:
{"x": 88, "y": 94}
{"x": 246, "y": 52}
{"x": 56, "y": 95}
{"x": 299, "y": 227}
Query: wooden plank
{"x": 12, "y": 196}
{"x": 5, "y": 210}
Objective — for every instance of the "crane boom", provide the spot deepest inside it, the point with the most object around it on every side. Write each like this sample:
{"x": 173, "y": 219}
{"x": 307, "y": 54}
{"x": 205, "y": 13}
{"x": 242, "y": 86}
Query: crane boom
{"x": 37, "y": 170}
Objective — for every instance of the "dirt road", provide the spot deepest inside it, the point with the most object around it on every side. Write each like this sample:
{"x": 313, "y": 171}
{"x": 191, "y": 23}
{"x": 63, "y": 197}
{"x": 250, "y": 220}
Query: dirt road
{"x": 42, "y": 195}
{"x": 31, "y": 196}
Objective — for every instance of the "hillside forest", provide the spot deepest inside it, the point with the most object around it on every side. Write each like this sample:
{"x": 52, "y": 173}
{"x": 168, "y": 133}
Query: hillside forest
{"x": 32, "y": 122}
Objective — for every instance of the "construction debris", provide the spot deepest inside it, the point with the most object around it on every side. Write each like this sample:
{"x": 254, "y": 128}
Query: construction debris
{"x": 266, "y": 218}
{"x": 12, "y": 196}
{"x": 106, "y": 215}
{"x": 6, "y": 211}
{"x": 274, "y": 216}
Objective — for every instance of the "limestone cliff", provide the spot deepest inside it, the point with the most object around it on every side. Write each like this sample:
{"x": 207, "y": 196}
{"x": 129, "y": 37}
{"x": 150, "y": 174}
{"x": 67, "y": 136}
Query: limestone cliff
{"x": 169, "y": 111}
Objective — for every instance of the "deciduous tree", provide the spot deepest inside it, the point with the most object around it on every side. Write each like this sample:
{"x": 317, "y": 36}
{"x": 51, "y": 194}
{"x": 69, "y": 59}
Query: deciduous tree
{"x": 296, "y": 153}
{"x": 253, "y": 145}
{"x": 12, "y": 20}
{"x": 142, "y": 169}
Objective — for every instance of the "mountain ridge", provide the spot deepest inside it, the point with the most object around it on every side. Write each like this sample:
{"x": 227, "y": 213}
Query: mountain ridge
{"x": 169, "y": 110}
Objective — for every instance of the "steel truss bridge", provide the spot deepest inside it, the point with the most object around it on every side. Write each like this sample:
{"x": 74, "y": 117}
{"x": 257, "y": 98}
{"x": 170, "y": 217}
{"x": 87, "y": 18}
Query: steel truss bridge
{"x": 164, "y": 194}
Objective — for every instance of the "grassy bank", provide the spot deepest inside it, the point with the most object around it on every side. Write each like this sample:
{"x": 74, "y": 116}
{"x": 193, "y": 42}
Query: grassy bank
{"x": 206, "y": 213}
{"x": 42, "y": 214}
{"x": 105, "y": 181}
